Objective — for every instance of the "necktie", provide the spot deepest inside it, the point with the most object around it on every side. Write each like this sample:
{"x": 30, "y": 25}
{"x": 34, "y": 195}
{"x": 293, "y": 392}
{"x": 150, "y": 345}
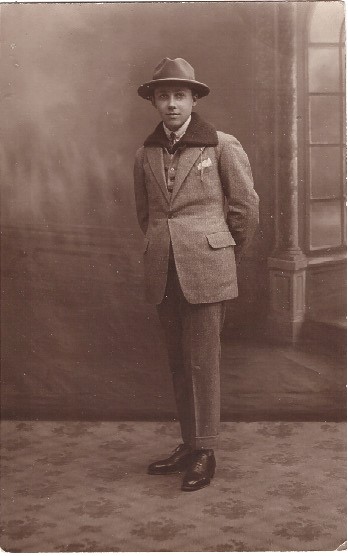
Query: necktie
{"x": 171, "y": 141}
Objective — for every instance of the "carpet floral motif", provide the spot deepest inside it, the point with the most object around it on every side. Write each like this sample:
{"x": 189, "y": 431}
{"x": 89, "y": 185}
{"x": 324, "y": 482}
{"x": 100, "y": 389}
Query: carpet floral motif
{"x": 83, "y": 487}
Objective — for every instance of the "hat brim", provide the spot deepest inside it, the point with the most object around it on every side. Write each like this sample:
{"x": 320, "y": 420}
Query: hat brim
{"x": 146, "y": 90}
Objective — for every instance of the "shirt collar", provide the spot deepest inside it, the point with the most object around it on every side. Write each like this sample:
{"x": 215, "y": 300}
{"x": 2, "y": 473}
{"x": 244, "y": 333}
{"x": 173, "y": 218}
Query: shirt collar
{"x": 198, "y": 134}
{"x": 179, "y": 132}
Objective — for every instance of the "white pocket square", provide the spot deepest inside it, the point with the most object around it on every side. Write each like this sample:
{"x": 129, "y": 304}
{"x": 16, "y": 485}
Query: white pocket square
{"x": 204, "y": 164}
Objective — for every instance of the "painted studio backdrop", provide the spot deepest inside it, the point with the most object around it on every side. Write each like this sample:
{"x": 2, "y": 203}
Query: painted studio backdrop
{"x": 76, "y": 329}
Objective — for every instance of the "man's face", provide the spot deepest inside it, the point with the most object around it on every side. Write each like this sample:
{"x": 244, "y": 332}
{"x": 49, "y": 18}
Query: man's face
{"x": 174, "y": 104}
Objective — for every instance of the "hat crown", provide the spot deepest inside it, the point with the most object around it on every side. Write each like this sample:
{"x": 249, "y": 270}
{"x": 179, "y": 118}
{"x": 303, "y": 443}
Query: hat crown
{"x": 177, "y": 70}
{"x": 174, "y": 69}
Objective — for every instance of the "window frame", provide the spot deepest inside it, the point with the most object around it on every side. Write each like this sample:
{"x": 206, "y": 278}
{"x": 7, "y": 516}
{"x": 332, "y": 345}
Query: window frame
{"x": 309, "y": 144}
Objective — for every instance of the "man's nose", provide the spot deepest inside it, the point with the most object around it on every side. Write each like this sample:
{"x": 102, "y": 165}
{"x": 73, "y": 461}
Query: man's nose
{"x": 172, "y": 103}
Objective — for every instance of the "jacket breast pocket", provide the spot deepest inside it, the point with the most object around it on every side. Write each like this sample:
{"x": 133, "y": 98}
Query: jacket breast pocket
{"x": 218, "y": 240}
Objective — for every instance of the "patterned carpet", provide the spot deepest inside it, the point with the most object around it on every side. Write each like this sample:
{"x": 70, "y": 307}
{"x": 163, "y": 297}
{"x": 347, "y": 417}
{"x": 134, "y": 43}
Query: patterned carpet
{"x": 82, "y": 486}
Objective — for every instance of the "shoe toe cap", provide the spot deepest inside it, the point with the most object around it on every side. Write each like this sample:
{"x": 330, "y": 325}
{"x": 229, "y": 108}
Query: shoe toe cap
{"x": 195, "y": 484}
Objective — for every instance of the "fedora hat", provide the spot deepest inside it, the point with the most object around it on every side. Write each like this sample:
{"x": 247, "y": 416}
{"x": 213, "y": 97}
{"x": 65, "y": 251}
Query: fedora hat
{"x": 173, "y": 71}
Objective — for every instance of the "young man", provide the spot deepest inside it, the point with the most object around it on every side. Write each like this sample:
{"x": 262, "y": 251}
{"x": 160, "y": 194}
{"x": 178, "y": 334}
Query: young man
{"x": 198, "y": 210}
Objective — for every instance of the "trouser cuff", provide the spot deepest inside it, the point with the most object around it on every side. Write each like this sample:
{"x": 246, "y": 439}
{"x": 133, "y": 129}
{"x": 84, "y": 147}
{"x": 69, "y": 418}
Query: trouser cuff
{"x": 204, "y": 443}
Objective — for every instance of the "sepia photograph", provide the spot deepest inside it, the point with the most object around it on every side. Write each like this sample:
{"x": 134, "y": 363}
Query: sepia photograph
{"x": 173, "y": 276}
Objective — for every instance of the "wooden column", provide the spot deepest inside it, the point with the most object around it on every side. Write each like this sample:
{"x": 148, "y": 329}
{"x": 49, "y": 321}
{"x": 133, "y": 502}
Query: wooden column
{"x": 287, "y": 265}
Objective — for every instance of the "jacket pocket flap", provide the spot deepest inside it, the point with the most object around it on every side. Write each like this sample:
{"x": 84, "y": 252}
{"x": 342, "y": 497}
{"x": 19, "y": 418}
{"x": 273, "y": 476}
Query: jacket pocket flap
{"x": 217, "y": 240}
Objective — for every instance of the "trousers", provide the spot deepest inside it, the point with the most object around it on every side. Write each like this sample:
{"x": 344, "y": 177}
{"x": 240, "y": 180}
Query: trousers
{"x": 192, "y": 337}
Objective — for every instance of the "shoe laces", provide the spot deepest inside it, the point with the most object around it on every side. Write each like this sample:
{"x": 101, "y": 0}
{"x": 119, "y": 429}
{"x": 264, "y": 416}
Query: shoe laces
{"x": 197, "y": 466}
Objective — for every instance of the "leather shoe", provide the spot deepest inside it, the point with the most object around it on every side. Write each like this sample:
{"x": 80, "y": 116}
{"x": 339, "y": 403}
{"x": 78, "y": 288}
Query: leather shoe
{"x": 200, "y": 471}
{"x": 178, "y": 461}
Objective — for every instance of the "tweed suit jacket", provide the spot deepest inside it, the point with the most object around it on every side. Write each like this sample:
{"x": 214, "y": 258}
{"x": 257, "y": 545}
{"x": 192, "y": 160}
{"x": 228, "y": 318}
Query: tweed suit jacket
{"x": 209, "y": 218}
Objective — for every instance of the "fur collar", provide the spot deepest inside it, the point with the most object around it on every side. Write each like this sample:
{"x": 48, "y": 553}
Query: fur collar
{"x": 198, "y": 134}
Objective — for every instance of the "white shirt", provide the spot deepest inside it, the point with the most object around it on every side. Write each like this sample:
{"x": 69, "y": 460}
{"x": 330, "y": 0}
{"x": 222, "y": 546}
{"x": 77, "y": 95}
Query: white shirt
{"x": 179, "y": 132}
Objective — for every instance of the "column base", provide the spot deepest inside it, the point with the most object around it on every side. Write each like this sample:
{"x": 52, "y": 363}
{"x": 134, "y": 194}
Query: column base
{"x": 284, "y": 331}
{"x": 287, "y": 294}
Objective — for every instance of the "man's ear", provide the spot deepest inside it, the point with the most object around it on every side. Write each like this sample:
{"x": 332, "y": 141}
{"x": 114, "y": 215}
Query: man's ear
{"x": 152, "y": 99}
{"x": 195, "y": 98}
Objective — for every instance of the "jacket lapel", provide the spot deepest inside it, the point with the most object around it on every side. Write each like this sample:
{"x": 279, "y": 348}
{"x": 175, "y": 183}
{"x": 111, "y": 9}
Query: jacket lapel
{"x": 155, "y": 158}
{"x": 187, "y": 159}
